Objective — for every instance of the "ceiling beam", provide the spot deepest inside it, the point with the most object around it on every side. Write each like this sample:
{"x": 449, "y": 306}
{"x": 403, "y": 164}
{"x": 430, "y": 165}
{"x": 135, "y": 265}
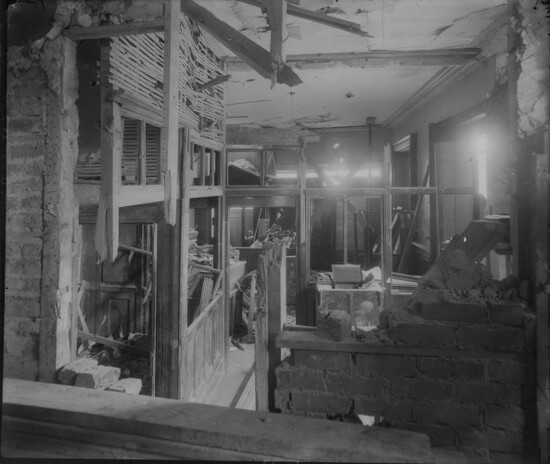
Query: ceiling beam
{"x": 321, "y": 18}
{"x": 248, "y": 51}
{"x": 115, "y": 30}
{"x": 373, "y": 58}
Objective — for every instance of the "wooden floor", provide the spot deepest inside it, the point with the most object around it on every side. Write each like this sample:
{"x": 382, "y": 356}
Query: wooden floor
{"x": 236, "y": 387}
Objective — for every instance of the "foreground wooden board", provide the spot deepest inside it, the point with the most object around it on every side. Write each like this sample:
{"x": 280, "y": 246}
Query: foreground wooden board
{"x": 67, "y": 421}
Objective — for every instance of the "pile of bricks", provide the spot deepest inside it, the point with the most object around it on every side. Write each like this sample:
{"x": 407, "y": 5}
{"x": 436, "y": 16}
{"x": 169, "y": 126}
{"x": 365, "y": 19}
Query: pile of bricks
{"x": 461, "y": 374}
{"x": 85, "y": 372}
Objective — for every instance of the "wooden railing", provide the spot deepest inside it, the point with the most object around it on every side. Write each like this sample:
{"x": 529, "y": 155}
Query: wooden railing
{"x": 204, "y": 345}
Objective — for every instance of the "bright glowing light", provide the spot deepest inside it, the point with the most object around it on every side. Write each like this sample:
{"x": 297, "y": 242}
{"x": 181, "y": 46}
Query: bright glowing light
{"x": 287, "y": 174}
{"x": 362, "y": 173}
{"x": 338, "y": 173}
{"x": 376, "y": 173}
{"x": 480, "y": 144}
{"x": 341, "y": 160}
{"x": 336, "y": 146}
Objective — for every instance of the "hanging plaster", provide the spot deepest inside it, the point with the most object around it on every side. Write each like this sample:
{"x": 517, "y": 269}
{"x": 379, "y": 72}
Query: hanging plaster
{"x": 534, "y": 60}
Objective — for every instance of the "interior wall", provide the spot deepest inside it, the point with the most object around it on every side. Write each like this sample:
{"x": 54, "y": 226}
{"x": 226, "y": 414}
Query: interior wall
{"x": 483, "y": 82}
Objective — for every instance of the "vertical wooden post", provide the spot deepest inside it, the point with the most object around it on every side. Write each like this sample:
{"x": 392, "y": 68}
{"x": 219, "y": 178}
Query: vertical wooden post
{"x": 226, "y": 263}
{"x": 184, "y": 257}
{"x": 301, "y": 250}
{"x": 345, "y": 227}
{"x": 387, "y": 244}
{"x": 169, "y": 144}
{"x": 541, "y": 295}
{"x": 262, "y": 362}
{"x": 153, "y": 317}
{"x": 107, "y": 228}
{"x": 434, "y": 198}
{"x": 276, "y": 15}
{"x": 276, "y": 312}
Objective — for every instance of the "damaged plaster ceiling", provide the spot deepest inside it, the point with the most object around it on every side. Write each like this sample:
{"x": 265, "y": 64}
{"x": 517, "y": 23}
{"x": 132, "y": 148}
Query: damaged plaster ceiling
{"x": 338, "y": 95}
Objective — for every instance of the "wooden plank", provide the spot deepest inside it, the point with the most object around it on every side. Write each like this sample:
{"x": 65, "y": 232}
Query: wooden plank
{"x": 434, "y": 199}
{"x": 169, "y": 141}
{"x": 320, "y": 18}
{"x": 132, "y": 195}
{"x": 244, "y": 137}
{"x": 255, "y": 56}
{"x": 109, "y": 342}
{"x": 142, "y": 154}
{"x": 262, "y": 362}
{"x": 387, "y": 244}
{"x": 135, "y": 250}
{"x": 373, "y": 58}
{"x": 107, "y": 228}
{"x": 242, "y": 386}
{"x": 112, "y": 30}
{"x": 176, "y": 428}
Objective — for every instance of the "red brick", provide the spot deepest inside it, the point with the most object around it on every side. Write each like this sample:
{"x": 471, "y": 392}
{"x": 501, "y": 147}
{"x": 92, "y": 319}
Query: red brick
{"x": 507, "y": 314}
{"x": 422, "y": 389}
{"x": 452, "y": 368}
{"x": 507, "y": 372}
{"x": 381, "y": 364}
{"x": 492, "y": 440}
{"x": 399, "y": 411}
{"x": 300, "y": 379}
{"x": 505, "y": 418}
{"x": 322, "y": 402}
{"x": 327, "y": 360}
{"x": 483, "y": 393}
{"x": 356, "y": 386}
{"x": 455, "y": 312}
{"x": 440, "y": 435}
{"x": 423, "y": 334}
{"x": 504, "y": 339}
{"x": 447, "y": 414}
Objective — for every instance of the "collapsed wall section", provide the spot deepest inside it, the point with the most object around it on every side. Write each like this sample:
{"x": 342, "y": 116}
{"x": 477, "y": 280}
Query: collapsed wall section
{"x": 458, "y": 372}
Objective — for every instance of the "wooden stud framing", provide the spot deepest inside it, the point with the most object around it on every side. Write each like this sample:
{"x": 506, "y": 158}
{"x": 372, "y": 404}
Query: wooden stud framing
{"x": 302, "y": 236}
{"x": 169, "y": 143}
{"x": 142, "y": 152}
{"x": 276, "y": 17}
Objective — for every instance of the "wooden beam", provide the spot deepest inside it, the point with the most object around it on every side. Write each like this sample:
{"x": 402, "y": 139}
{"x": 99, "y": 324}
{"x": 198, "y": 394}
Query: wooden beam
{"x": 132, "y": 195}
{"x": 112, "y": 30}
{"x": 262, "y": 362}
{"x": 276, "y": 18}
{"x": 251, "y": 53}
{"x": 107, "y": 229}
{"x": 387, "y": 243}
{"x": 321, "y": 18}
{"x": 109, "y": 342}
{"x": 302, "y": 316}
{"x": 373, "y": 58}
{"x": 169, "y": 143}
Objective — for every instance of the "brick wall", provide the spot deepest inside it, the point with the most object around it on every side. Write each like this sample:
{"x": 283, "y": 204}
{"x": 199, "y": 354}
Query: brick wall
{"x": 41, "y": 210}
{"x": 461, "y": 376}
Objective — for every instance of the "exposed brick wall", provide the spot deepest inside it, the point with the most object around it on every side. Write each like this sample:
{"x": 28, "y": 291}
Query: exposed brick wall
{"x": 463, "y": 385}
{"x": 41, "y": 209}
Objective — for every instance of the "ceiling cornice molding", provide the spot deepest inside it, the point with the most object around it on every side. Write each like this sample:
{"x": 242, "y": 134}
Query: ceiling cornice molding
{"x": 433, "y": 87}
